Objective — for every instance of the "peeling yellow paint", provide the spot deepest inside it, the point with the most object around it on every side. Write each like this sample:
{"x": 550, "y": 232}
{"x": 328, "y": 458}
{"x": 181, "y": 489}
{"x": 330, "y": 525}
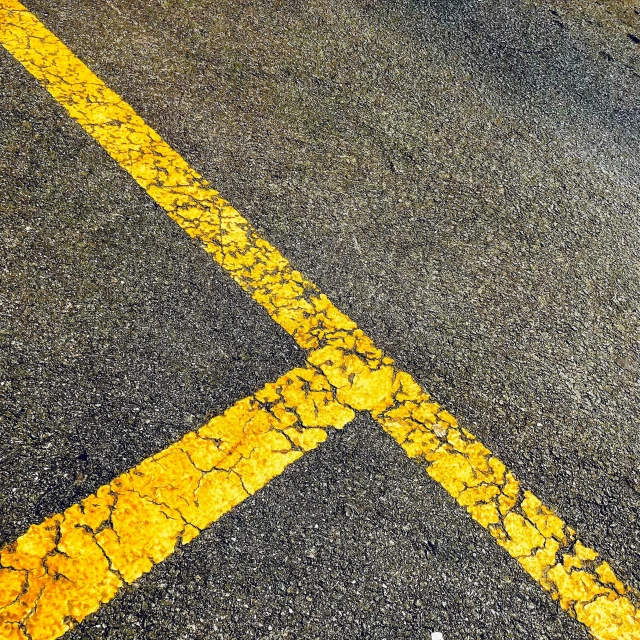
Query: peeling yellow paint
{"x": 545, "y": 547}
{"x": 142, "y": 516}
{"x": 62, "y": 570}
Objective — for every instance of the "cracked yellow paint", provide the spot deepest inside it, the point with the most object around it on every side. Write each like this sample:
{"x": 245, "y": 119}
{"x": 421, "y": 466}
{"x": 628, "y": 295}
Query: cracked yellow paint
{"x": 544, "y": 545}
{"x": 192, "y": 483}
{"x": 62, "y": 570}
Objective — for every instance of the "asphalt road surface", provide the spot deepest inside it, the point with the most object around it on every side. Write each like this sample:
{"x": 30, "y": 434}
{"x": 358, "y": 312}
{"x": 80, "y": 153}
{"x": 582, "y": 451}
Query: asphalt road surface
{"x": 460, "y": 177}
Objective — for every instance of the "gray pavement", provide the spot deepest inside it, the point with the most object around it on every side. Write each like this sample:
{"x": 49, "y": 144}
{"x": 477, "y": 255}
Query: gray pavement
{"x": 461, "y": 178}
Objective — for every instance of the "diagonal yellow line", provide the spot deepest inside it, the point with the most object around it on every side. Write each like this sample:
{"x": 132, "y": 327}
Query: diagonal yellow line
{"x": 62, "y": 570}
{"x": 362, "y": 377}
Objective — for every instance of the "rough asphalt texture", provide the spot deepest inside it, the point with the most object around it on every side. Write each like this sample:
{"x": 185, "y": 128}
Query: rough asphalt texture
{"x": 460, "y": 177}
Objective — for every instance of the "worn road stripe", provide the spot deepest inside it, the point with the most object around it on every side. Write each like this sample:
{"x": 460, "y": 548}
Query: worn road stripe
{"x": 362, "y": 376}
{"x": 62, "y": 570}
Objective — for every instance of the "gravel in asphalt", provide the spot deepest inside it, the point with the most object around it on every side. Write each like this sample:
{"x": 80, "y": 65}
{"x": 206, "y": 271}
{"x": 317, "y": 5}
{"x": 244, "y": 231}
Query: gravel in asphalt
{"x": 460, "y": 178}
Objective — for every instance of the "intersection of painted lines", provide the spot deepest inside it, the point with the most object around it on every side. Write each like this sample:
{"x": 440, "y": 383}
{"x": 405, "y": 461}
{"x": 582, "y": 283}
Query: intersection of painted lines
{"x": 204, "y": 475}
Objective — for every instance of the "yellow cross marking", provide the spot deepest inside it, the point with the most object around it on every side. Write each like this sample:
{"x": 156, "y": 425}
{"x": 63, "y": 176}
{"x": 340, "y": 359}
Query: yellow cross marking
{"x": 85, "y": 554}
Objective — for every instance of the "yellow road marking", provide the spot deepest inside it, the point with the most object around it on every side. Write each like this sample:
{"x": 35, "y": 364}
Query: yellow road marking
{"x": 362, "y": 377}
{"x": 62, "y": 570}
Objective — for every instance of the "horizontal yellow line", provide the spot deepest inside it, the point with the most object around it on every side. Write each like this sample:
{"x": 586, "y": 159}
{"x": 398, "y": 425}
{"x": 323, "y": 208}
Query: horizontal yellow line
{"x": 362, "y": 377}
{"x": 62, "y": 570}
